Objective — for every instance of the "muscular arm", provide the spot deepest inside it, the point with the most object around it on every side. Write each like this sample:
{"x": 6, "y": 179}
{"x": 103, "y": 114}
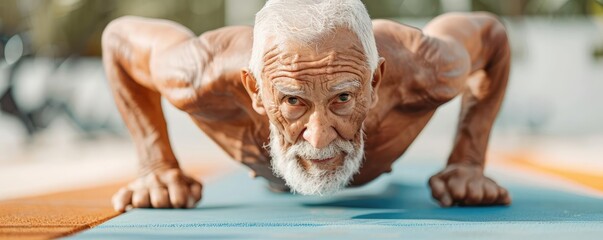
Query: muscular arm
{"x": 455, "y": 54}
{"x": 486, "y": 43}
{"x": 134, "y": 53}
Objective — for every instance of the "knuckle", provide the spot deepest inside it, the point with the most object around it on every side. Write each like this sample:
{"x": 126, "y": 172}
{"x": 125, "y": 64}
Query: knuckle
{"x": 457, "y": 171}
{"x": 457, "y": 193}
{"x": 433, "y": 180}
{"x": 490, "y": 195}
{"x": 177, "y": 198}
{"x": 179, "y": 202}
{"x": 156, "y": 203}
{"x": 475, "y": 195}
{"x": 437, "y": 194}
{"x": 173, "y": 176}
{"x": 151, "y": 180}
{"x": 490, "y": 198}
{"x": 136, "y": 184}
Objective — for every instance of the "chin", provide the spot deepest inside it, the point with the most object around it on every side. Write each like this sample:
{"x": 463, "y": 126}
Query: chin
{"x": 310, "y": 171}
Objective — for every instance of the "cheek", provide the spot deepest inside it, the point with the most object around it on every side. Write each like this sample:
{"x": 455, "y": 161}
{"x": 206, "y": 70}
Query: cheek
{"x": 288, "y": 127}
{"x": 278, "y": 116}
{"x": 293, "y": 131}
{"x": 349, "y": 126}
{"x": 344, "y": 109}
{"x": 291, "y": 113}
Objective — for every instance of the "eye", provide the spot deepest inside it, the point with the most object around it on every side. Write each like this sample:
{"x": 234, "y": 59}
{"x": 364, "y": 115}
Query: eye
{"x": 344, "y": 97}
{"x": 292, "y": 107}
{"x": 293, "y": 101}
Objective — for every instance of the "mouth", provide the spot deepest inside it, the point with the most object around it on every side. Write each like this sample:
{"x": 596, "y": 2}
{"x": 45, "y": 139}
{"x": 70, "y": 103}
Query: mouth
{"x": 321, "y": 161}
{"x": 330, "y": 164}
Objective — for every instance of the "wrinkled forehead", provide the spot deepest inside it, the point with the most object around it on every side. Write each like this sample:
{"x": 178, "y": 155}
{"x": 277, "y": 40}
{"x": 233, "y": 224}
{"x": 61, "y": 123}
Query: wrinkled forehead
{"x": 334, "y": 53}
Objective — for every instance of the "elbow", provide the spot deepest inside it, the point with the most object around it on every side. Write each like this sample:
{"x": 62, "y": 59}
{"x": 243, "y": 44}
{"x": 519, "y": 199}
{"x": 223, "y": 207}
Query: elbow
{"x": 111, "y": 32}
{"x": 496, "y": 32}
{"x": 113, "y": 40}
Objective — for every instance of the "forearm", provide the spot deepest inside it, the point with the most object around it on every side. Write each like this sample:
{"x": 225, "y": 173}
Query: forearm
{"x": 483, "y": 38}
{"x": 141, "y": 111}
{"x": 481, "y": 101}
{"x": 473, "y": 131}
{"x": 137, "y": 96}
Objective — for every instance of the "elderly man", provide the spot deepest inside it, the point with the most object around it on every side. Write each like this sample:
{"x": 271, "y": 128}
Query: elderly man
{"x": 315, "y": 97}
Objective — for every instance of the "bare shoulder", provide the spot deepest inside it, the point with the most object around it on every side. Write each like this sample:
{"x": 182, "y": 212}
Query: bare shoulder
{"x": 201, "y": 76}
{"x": 229, "y": 39}
{"x": 477, "y": 32}
{"x": 423, "y": 70}
{"x": 384, "y": 28}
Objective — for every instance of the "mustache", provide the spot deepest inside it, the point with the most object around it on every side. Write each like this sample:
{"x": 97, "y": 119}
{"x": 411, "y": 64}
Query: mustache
{"x": 305, "y": 150}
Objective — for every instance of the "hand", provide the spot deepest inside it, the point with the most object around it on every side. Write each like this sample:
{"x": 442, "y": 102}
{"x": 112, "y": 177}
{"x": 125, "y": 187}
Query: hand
{"x": 465, "y": 184}
{"x": 166, "y": 188}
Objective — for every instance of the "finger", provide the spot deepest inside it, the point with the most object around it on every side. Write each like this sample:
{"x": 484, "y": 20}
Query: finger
{"x": 178, "y": 195}
{"x": 121, "y": 199}
{"x": 490, "y": 193}
{"x": 195, "y": 190}
{"x": 140, "y": 199}
{"x": 438, "y": 187}
{"x": 153, "y": 181}
{"x": 475, "y": 192}
{"x": 446, "y": 201}
{"x": 504, "y": 198}
{"x": 159, "y": 197}
{"x": 457, "y": 187}
{"x": 439, "y": 191}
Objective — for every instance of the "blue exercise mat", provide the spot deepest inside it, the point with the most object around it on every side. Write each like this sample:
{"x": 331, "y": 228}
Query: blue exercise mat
{"x": 395, "y": 206}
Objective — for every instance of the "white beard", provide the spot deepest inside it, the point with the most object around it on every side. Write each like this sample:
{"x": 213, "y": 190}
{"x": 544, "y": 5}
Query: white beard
{"x": 315, "y": 181}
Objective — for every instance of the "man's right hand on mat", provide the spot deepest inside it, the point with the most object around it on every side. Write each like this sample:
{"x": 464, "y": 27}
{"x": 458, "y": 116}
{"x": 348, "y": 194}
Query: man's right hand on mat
{"x": 466, "y": 185}
{"x": 165, "y": 188}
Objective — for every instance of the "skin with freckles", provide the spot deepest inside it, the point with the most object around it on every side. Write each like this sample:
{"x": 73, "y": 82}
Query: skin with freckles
{"x": 316, "y": 92}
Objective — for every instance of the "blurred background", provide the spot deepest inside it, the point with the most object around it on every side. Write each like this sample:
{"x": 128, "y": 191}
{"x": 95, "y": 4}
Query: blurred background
{"x": 59, "y": 127}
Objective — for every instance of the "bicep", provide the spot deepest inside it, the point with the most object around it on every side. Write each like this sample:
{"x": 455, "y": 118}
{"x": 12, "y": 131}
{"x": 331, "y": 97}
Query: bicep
{"x": 482, "y": 37}
{"x": 479, "y": 34}
{"x": 133, "y": 42}
{"x": 427, "y": 70}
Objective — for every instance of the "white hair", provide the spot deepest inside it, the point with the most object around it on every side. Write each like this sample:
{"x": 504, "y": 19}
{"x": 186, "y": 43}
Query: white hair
{"x": 306, "y": 21}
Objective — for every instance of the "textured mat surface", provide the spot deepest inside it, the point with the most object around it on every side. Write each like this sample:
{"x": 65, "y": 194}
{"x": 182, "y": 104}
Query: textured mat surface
{"x": 393, "y": 207}
{"x": 63, "y": 213}
{"x": 56, "y": 215}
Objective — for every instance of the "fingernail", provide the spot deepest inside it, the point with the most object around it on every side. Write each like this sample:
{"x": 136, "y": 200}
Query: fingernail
{"x": 118, "y": 208}
{"x": 446, "y": 201}
{"x": 191, "y": 202}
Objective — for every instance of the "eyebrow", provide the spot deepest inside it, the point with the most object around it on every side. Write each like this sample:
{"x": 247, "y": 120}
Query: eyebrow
{"x": 354, "y": 83}
{"x": 288, "y": 90}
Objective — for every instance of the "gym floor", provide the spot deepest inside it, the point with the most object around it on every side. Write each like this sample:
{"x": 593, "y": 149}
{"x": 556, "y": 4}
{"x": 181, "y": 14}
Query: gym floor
{"x": 552, "y": 197}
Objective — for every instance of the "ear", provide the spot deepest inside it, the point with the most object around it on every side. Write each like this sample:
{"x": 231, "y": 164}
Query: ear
{"x": 251, "y": 86}
{"x": 377, "y": 77}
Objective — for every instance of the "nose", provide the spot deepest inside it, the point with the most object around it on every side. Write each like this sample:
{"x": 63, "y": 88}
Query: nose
{"x": 319, "y": 132}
